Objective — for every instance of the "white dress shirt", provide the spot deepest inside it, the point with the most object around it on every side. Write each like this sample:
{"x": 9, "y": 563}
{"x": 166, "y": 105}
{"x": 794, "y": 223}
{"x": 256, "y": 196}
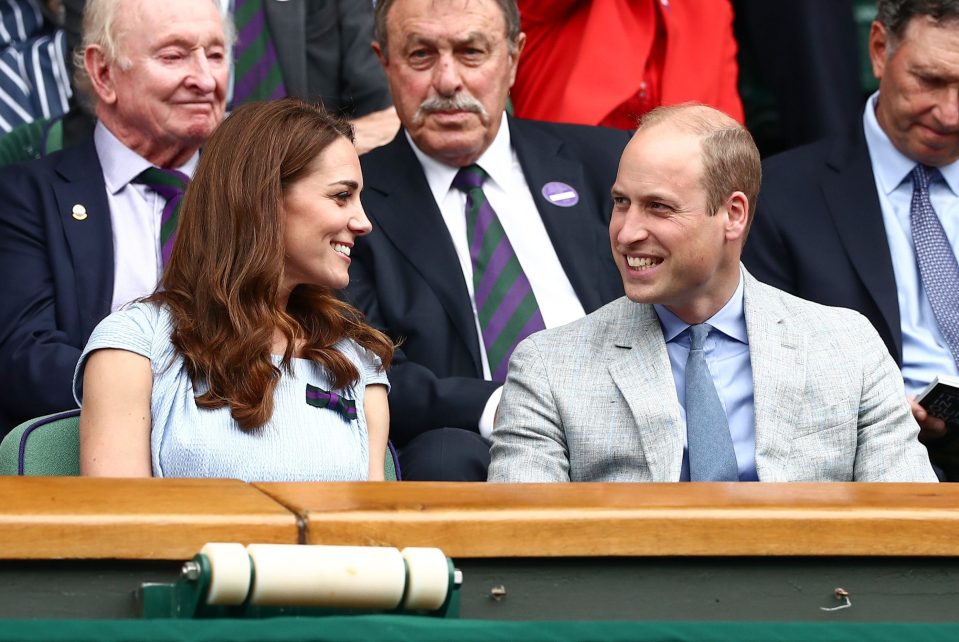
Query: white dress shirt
{"x": 509, "y": 195}
{"x": 925, "y": 353}
{"x": 135, "y": 214}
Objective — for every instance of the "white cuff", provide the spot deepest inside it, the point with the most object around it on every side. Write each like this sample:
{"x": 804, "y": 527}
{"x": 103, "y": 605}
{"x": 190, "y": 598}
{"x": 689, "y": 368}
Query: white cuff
{"x": 489, "y": 413}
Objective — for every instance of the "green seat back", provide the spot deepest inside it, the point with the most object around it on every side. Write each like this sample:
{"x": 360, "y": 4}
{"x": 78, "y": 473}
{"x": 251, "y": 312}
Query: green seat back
{"x": 50, "y": 446}
{"x": 47, "y": 446}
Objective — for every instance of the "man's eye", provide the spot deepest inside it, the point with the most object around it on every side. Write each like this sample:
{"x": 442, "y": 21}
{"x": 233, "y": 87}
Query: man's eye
{"x": 658, "y": 207}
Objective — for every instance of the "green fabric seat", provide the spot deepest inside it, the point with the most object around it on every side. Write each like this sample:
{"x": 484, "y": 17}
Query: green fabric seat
{"x": 50, "y": 446}
{"x": 31, "y": 141}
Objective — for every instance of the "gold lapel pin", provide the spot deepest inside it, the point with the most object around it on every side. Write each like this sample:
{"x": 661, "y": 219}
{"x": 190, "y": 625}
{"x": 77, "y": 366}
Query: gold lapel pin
{"x": 79, "y": 212}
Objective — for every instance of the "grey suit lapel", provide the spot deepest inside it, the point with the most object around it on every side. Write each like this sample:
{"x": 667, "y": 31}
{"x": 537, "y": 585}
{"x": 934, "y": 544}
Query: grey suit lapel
{"x": 777, "y": 355}
{"x": 640, "y": 369}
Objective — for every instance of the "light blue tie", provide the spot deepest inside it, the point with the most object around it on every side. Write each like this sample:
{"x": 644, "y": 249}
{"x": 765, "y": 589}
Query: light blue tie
{"x": 936, "y": 259}
{"x": 711, "y": 454}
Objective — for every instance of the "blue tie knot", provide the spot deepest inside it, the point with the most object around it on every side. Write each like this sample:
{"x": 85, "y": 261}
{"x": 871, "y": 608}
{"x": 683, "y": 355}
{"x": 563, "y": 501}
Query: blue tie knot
{"x": 697, "y": 335}
{"x": 469, "y": 178}
{"x": 922, "y": 175}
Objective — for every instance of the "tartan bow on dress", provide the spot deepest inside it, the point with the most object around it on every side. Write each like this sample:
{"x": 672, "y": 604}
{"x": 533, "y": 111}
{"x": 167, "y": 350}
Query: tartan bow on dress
{"x": 320, "y": 398}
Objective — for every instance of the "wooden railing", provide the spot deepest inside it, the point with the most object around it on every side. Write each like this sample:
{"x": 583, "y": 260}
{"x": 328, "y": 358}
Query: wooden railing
{"x": 44, "y": 518}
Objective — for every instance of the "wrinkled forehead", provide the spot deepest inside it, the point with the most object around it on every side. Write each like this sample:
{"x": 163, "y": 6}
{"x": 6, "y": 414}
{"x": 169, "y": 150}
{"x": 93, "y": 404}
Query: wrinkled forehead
{"x": 142, "y": 21}
{"x": 453, "y": 13}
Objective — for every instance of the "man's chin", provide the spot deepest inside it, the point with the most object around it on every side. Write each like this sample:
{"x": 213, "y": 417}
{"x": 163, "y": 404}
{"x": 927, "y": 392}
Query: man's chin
{"x": 454, "y": 148}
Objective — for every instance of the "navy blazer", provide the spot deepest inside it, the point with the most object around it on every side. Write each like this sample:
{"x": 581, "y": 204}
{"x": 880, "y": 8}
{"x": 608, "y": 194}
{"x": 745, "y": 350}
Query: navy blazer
{"x": 407, "y": 279}
{"x": 819, "y": 233}
{"x": 57, "y": 277}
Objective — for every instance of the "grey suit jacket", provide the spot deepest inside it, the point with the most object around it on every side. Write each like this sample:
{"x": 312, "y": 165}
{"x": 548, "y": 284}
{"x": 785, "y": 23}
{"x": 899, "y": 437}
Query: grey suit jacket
{"x": 595, "y": 400}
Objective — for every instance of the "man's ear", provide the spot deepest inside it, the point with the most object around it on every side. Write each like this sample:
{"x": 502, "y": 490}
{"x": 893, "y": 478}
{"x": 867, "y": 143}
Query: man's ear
{"x": 737, "y": 216}
{"x": 878, "y": 48}
{"x": 380, "y": 54}
{"x": 101, "y": 73}
{"x": 514, "y": 57}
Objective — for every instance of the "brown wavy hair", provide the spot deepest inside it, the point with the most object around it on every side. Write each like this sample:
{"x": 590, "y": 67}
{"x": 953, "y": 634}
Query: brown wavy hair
{"x": 222, "y": 282}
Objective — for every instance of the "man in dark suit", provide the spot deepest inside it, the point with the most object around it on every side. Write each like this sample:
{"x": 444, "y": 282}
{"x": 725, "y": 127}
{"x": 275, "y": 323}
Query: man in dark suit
{"x": 323, "y": 49}
{"x": 841, "y": 221}
{"x": 450, "y": 65}
{"x": 79, "y": 231}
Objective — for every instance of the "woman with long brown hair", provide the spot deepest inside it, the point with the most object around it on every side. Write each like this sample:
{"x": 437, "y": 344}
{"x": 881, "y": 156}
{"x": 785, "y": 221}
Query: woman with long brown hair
{"x": 244, "y": 363}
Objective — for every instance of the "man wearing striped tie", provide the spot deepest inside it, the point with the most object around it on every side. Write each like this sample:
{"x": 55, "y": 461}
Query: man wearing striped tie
{"x": 486, "y": 228}
{"x": 86, "y": 230}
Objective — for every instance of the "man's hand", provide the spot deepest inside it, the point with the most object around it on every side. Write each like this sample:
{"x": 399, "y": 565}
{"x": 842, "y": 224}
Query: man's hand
{"x": 375, "y": 129}
{"x": 929, "y": 427}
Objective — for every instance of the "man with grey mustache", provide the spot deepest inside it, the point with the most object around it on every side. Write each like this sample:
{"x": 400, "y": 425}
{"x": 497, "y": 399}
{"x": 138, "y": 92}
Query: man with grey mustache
{"x": 486, "y": 228}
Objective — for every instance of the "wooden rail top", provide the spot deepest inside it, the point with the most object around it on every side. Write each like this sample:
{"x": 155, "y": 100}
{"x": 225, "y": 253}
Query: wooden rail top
{"x": 82, "y": 518}
{"x": 60, "y": 517}
{"x": 689, "y": 519}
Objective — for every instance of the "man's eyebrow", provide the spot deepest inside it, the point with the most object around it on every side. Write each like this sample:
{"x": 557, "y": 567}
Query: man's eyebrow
{"x": 472, "y": 37}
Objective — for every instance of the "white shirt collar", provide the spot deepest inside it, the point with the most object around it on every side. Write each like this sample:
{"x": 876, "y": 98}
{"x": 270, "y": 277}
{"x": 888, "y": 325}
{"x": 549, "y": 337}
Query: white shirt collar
{"x": 496, "y": 161}
{"x": 890, "y": 166}
{"x": 121, "y": 164}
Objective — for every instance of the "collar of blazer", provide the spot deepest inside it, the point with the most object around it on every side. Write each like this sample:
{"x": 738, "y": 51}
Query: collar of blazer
{"x": 639, "y": 366}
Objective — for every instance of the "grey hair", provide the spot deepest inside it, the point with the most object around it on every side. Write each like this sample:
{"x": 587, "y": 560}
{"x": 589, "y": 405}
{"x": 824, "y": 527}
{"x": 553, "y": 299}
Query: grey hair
{"x": 99, "y": 28}
{"x": 895, "y": 15}
{"x": 382, "y": 8}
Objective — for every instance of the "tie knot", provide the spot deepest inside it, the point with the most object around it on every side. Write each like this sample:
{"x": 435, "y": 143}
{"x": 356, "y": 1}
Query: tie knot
{"x": 922, "y": 175}
{"x": 163, "y": 180}
{"x": 469, "y": 177}
{"x": 697, "y": 336}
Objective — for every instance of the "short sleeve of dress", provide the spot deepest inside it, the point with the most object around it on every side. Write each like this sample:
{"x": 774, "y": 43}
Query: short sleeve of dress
{"x": 132, "y": 329}
{"x": 371, "y": 367}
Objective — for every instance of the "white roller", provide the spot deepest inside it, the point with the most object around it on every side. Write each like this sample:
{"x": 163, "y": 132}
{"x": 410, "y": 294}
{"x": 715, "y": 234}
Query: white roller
{"x": 229, "y": 573}
{"x": 330, "y": 576}
{"x": 428, "y": 578}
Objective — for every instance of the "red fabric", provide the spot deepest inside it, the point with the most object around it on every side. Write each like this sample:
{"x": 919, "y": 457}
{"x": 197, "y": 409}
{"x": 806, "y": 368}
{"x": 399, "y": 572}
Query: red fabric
{"x": 587, "y": 61}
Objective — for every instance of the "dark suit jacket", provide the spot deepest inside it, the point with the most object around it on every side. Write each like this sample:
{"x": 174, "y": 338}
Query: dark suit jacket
{"x": 58, "y": 277}
{"x": 406, "y": 277}
{"x": 819, "y": 234}
{"x": 323, "y": 47}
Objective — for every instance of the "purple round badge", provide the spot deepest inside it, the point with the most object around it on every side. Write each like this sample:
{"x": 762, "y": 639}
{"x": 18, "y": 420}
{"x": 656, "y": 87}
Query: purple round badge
{"x": 560, "y": 194}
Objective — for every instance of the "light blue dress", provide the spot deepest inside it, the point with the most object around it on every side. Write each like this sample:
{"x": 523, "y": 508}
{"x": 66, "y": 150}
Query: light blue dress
{"x": 300, "y": 442}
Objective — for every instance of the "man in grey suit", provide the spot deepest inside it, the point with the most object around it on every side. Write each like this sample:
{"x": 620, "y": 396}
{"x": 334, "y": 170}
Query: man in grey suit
{"x": 701, "y": 372}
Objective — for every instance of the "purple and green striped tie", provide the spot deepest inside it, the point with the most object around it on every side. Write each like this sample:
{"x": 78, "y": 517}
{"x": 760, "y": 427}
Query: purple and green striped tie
{"x": 256, "y": 71}
{"x": 170, "y": 184}
{"x": 505, "y": 304}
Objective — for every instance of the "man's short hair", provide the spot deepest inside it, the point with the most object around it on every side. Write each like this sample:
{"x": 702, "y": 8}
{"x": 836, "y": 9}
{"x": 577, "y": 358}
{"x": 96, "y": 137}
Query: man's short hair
{"x": 895, "y": 15}
{"x": 509, "y": 8}
{"x": 731, "y": 160}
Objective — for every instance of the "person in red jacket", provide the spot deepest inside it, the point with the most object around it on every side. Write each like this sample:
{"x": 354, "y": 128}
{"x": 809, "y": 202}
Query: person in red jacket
{"x": 609, "y": 62}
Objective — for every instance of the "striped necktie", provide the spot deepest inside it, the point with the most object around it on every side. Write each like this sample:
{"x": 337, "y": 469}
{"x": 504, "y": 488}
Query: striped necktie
{"x": 170, "y": 184}
{"x": 711, "y": 453}
{"x": 505, "y": 304}
{"x": 938, "y": 268}
{"x": 256, "y": 71}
